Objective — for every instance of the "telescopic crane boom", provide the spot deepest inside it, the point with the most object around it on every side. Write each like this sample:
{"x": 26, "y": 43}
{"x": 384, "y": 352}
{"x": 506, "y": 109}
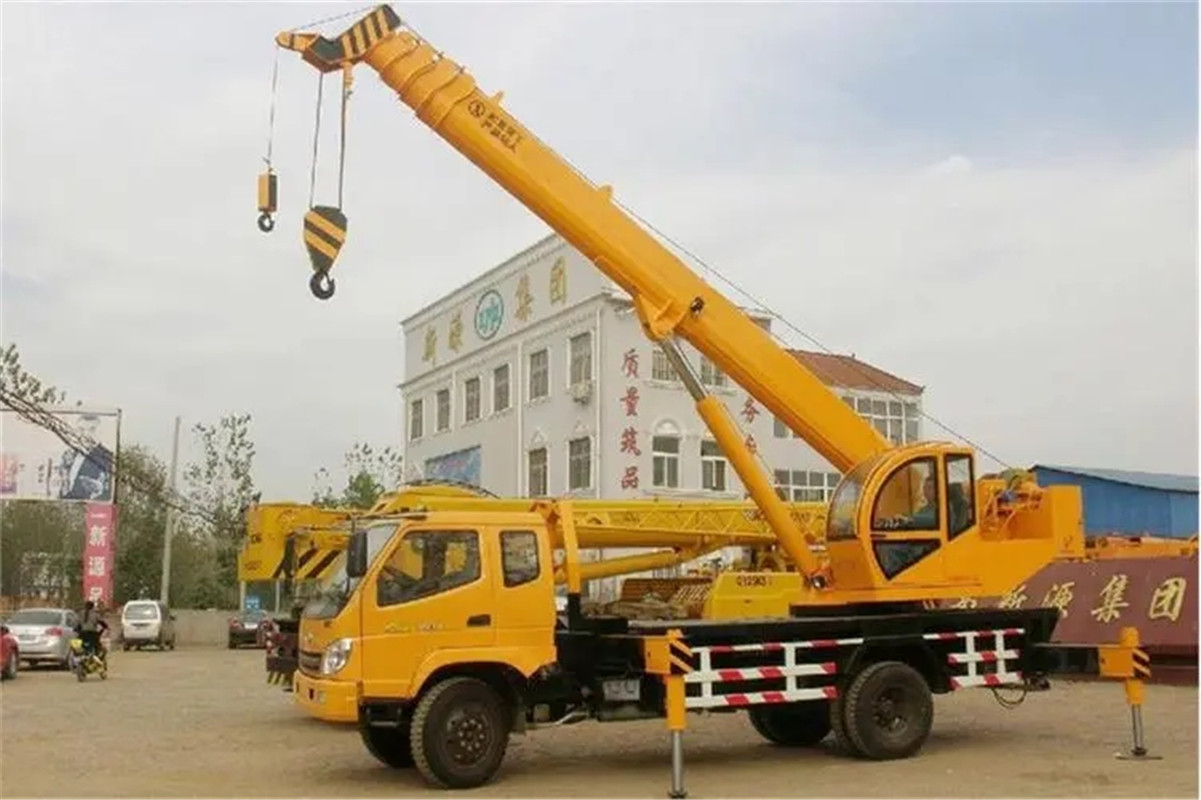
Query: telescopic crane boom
{"x": 980, "y": 532}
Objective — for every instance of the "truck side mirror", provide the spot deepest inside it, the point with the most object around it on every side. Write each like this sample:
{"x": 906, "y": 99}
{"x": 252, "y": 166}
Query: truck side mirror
{"x": 356, "y": 555}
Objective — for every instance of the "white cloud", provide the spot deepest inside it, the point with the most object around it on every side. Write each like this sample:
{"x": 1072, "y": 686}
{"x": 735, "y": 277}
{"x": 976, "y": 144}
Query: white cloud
{"x": 133, "y": 274}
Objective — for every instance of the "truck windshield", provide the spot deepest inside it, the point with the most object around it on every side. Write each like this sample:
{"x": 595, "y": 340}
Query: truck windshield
{"x": 841, "y": 520}
{"x": 333, "y": 594}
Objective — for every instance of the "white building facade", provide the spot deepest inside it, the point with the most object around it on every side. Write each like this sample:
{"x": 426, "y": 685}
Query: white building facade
{"x": 537, "y": 380}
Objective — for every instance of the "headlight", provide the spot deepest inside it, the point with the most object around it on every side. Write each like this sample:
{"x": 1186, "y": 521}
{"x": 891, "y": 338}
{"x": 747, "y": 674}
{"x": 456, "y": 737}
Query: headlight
{"x": 335, "y": 656}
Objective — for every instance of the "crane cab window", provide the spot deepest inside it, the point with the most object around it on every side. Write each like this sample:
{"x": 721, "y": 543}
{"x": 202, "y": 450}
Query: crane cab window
{"x": 519, "y": 557}
{"x": 908, "y": 500}
{"x": 961, "y": 500}
{"x": 426, "y": 563}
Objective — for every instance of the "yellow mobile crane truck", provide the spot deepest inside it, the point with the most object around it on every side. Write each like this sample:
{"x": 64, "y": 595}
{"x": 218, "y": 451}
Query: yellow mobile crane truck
{"x": 447, "y": 664}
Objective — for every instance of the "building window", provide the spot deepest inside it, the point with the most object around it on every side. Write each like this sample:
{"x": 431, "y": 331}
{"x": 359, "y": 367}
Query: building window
{"x": 713, "y": 466}
{"x": 895, "y": 420}
{"x": 778, "y": 428}
{"x": 500, "y": 388}
{"x": 416, "y": 420}
{"x": 539, "y": 374}
{"x": 442, "y": 410}
{"x": 665, "y": 461}
{"x": 579, "y": 463}
{"x": 802, "y": 486}
{"x": 661, "y": 368}
{"x": 471, "y": 399}
{"x": 711, "y": 375}
{"x": 537, "y": 473}
{"x": 581, "y": 358}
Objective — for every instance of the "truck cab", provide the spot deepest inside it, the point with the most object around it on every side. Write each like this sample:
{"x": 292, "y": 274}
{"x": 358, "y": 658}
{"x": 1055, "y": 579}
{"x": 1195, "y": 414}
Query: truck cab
{"x": 437, "y": 590}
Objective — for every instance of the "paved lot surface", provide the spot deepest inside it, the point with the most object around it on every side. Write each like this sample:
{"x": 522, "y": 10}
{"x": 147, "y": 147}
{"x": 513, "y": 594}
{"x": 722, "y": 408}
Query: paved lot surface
{"x": 203, "y": 722}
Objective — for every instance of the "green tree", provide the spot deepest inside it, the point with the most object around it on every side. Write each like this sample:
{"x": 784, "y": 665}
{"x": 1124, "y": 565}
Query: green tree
{"x": 369, "y": 473}
{"x": 219, "y": 488}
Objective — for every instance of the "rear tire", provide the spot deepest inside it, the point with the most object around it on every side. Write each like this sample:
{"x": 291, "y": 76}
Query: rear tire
{"x": 459, "y": 733}
{"x": 838, "y": 726}
{"x": 391, "y": 746}
{"x": 889, "y": 711}
{"x": 792, "y": 725}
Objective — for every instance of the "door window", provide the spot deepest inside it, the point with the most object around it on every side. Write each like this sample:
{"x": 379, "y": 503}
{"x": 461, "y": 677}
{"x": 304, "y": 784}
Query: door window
{"x": 961, "y": 500}
{"x": 427, "y": 563}
{"x": 519, "y": 557}
{"x": 908, "y": 500}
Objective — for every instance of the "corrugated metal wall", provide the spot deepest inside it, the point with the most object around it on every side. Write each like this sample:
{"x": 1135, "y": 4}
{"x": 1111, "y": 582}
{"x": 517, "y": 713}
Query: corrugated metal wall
{"x": 1111, "y": 507}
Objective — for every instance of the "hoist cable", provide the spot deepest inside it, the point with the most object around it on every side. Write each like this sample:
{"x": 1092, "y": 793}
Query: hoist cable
{"x": 316, "y": 140}
{"x": 342, "y": 141}
{"x": 271, "y": 114}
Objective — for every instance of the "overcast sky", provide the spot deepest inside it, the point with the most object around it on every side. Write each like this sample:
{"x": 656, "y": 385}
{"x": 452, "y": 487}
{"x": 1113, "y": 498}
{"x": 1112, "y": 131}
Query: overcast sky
{"x": 996, "y": 201}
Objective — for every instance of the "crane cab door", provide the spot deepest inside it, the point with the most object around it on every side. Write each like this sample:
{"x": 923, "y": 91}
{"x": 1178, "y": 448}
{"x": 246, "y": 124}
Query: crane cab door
{"x": 432, "y": 592}
{"x": 909, "y": 521}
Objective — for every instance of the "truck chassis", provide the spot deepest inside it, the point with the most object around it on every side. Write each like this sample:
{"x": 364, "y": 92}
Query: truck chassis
{"x": 867, "y": 678}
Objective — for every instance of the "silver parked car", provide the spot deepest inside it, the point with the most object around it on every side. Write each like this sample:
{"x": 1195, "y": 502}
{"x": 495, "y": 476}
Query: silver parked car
{"x": 44, "y": 634}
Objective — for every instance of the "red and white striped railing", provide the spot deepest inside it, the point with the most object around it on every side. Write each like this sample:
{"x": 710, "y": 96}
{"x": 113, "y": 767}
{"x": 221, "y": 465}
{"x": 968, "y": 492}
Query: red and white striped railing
{"x": 972, "y": 657}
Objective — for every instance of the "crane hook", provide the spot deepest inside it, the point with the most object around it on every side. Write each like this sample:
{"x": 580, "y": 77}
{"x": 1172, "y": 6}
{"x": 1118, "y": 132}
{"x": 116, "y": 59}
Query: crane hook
{"x": 266, "y": 223}
{"x": 321, "y": 285}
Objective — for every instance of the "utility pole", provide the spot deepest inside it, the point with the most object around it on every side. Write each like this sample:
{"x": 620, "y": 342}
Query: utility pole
{"x": 165, "y": 583}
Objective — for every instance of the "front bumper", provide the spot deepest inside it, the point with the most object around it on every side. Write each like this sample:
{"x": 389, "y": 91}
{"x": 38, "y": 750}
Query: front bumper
{"x": 328, "y": 700}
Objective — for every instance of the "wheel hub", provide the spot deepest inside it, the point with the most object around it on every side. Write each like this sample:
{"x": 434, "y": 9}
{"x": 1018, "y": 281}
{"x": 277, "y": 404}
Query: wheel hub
{"x": 891, "y": 711}
{"x": 468, "y": 736}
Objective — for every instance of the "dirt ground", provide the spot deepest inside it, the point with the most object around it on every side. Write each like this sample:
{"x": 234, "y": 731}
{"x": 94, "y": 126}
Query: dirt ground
{"x": 204, "y": 723}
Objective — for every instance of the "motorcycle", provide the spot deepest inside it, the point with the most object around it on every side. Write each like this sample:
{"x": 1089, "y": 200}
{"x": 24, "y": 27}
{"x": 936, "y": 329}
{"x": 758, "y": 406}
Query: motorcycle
{"x": 88, "y": 663}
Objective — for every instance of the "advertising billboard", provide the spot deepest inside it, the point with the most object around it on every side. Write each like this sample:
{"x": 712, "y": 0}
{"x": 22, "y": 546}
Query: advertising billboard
{"x": 35, "y": 464}
{"x": 98, "y": 554}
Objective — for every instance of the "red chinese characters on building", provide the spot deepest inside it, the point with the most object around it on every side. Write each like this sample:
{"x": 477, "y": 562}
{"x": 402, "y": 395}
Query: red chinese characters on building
{"x": 629, "y": 363}
{"x": 750, "y": 410}
{"x": 629, "y": 479}
{"x": 629, "y": 441}
{"x": 630, "y": 401}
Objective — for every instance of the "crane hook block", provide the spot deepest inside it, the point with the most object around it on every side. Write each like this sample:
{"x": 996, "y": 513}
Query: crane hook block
{"x": 324, "y": 235}
{"x": 268, "y": 196}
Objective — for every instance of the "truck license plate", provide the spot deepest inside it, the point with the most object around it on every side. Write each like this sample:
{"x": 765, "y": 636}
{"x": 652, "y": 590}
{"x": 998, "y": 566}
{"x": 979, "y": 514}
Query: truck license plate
{"x": 629, "y": 689}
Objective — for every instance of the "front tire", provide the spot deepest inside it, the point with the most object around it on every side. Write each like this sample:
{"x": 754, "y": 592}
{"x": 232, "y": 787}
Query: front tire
{"x": 792, "y": 725}
{"x": 391, "y": 746}
{"x": 459, "y": 733}
{"x": 889, "y": 711}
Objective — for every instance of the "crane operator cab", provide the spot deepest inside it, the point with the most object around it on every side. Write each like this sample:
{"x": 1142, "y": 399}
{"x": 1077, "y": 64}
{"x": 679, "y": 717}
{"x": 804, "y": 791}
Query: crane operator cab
{"x": 911, "y": 517}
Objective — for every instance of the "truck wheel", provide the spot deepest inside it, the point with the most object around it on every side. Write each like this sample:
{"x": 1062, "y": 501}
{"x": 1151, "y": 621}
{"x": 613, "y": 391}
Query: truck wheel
{"x": 792, "y": 725}
{"x": 838, "y": 725}
{"x": 888, "y": 711}
{"x": 460, "y": 731}
{"x": 392, "y": 746}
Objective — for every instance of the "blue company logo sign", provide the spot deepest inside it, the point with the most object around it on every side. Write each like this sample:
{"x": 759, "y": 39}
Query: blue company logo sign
{"x": 489, "y": 313}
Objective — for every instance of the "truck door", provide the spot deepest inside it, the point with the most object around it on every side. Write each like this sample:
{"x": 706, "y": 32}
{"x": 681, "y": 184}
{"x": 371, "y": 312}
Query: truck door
{"x": 908, "y": 523}
{"x": 525, "y": 605}
{"x": 433, "y": 591}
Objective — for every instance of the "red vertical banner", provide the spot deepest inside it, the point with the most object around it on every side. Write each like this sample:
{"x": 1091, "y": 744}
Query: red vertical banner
{"x": 98, "y": 553}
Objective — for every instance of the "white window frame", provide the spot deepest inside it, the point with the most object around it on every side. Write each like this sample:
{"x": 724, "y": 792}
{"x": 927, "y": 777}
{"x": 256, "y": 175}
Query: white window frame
{"x": 800, "y": 486}
{"x": 479, "y": 398}
{"x": 713, "y": 466}
{"x": 416, "y": 419}
{"x": 711, "y": 374}
{"x": 573, "y": 359}
{"x": 508, "y": 385}
{"x": 570, "y": 474}
{"x": 529, "y": 471}
{"x": 532, "y": 373}
{"x": 661, "y": 367}
{"x": 898, "y": 420}
{"x": 665, "y": 462}
{"x": 442, "y": 422}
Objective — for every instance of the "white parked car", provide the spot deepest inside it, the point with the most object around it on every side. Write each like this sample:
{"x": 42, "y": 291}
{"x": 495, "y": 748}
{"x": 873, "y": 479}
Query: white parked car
{"x": 146, "y": 622}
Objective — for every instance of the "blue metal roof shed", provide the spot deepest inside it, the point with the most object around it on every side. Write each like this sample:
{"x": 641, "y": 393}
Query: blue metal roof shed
{"x": 1133, "y": 503}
